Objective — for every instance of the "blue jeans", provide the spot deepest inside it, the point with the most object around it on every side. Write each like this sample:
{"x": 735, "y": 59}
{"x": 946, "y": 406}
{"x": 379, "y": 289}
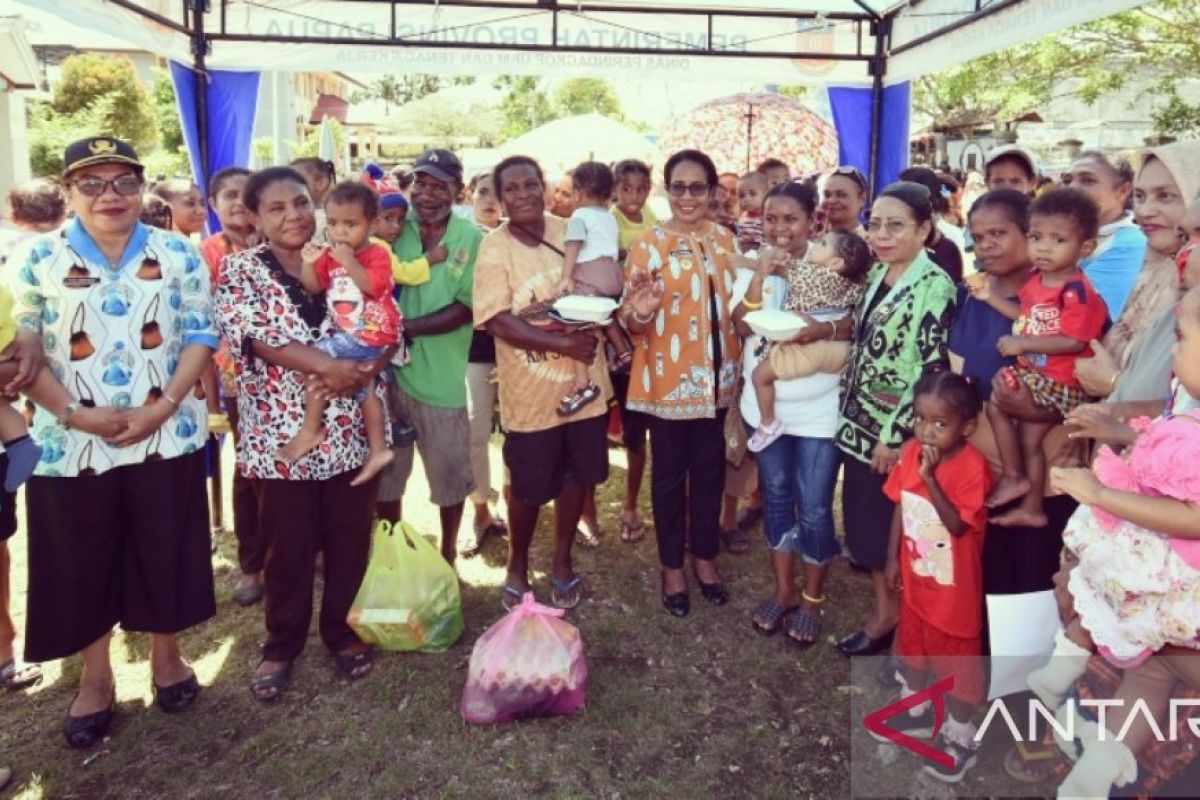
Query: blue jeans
{"x": 342, "y": 345}
{"x": 797, "y": 475}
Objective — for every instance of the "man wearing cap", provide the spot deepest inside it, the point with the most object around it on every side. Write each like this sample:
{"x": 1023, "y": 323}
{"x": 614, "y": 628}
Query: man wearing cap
{"x": 437, "y": 314}
{"x": 117, "y": 510}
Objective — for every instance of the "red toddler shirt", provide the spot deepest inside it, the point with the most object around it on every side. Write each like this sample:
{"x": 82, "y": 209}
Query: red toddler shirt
{"x": 942, "y": 574}
{"x": 1073, "y": 309}
{"x": 370, "y": 317}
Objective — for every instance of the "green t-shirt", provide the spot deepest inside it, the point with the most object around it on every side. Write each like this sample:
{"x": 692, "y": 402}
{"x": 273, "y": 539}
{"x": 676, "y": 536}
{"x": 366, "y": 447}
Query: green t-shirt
{"x": 437, "y": 373}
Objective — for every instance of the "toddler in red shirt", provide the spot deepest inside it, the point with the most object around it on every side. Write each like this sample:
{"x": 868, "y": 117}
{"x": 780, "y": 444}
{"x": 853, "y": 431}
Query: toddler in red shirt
{"x": 356, "y": 276}
{"x": 935, "y": 562}
{"x": 1059, "y": 315}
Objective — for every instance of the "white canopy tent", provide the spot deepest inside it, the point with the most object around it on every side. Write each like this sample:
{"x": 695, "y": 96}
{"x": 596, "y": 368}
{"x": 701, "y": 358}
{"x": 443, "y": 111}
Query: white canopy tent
{"x": 851, "y": 44}
{"x": 563, "y": 143}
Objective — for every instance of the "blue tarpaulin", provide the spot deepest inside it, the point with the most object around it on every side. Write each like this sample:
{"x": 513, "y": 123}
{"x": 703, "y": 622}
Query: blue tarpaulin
{"x": 852, "y": 116}
{"x": 232, "y": 102}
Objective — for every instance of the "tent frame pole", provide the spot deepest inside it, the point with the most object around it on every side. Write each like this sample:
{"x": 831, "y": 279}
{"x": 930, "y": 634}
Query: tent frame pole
{"x": 880, "y": 30}
{"x": 201, "y": 46}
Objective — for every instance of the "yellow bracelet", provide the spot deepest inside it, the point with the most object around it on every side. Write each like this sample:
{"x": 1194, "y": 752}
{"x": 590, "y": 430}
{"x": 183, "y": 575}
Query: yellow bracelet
{"x": 750, "y": 305}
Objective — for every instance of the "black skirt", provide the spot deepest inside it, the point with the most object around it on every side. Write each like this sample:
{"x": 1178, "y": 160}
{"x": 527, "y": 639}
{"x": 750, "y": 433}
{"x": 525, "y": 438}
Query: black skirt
{"x": 128, "y": 546}
{"x": 866, "y": 513}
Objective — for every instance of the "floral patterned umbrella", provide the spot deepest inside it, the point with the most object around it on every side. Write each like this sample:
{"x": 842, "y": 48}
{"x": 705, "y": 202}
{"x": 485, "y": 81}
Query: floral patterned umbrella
{"x": 740, "y": 131}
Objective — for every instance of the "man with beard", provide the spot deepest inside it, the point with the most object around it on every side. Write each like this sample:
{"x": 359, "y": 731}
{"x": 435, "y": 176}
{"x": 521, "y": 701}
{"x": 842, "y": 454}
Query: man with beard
{"x": 431, "y": 388}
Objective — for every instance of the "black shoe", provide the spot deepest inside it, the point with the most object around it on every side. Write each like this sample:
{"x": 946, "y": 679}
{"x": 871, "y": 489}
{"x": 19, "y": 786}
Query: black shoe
{"x": 715, "y": 593}
{"x": 678, "y": 605}
{"x": 177, "y": 696}
{"x": 859, "y": 644}
{"x": 963, "y": 760}
{"x": 918, "y": 727}
{"x": 83, "y": 732}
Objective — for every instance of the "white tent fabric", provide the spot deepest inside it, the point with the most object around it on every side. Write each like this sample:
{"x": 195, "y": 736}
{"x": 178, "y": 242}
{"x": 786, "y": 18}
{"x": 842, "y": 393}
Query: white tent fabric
{"x": 564, "y": 143}
{"x": 447, "y": 39}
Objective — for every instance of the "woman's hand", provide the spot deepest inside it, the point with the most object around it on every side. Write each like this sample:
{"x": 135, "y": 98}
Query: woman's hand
{"x": 1098, "y": 374}
{"x": 341, "y": 377}
{"x": 26, "y": 349}
{"x": 813, "y": 330}
{"x": 1097, "y": 421}
{"x": 883, "y": 458}
{"x": 1079, "y": 482}
{"x": 141, "y": 423}
{"x": 645, "y": 296}
{"x": 1016, "y": 401}
{"x": 103, "y": 421}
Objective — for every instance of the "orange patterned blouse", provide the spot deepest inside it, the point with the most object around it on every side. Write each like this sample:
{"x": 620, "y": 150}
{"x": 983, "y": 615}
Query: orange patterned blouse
{"x": 673, "y": 361}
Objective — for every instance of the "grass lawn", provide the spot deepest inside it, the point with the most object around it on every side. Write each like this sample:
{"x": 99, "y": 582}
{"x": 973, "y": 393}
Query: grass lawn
{"x": 699, "y": 706}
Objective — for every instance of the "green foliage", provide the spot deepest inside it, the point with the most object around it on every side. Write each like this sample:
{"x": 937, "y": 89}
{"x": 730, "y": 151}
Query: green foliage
{"x": 311, "y": 146}
{"x": 1100, "y": 57}
{"x": 587, "y": 95}
{"x": 166, "y": 113}
{"x": 396, "y": 91}
{"x": 528, "y": 105}
{"x": 795, "y": 92}
{"x": 50, "y": 132}
{"x": 127, "y": 113}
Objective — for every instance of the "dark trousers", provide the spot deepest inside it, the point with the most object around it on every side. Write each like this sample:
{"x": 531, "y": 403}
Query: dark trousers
{"x": 252, "y": 544}
{"x": 300, "y": 517}
{"x": 687, "y": 479}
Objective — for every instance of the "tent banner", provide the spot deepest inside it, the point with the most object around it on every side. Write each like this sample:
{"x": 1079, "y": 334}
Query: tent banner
{"x": 1008, "y": 27}
{"x": 438, "y": 39}
{"x": 124, "y": 24}
{"x": 853, "y": 109}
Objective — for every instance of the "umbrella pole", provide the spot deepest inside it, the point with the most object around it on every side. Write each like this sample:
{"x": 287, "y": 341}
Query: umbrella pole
{"x": 749, "y": 132}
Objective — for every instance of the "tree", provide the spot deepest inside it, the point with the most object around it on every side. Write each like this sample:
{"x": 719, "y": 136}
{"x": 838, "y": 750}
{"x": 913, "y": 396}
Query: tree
{"x": 51, "y": 131}
{"x": 128, "y": 113}
{"x": 526, "y": 105}
{"x": 1093, "y": 59}
{"x": 395, "y": 91}
{"x": 587, "y": 95}
{"x": 166, "y": 112}
{"x": 311, "y": 146}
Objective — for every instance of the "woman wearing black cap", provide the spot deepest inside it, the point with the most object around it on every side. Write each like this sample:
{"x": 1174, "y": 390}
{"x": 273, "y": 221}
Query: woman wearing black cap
{"x": 117, "y": 510}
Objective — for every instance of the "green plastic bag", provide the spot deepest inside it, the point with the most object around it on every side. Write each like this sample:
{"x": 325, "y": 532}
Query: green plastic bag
{"x": 409, "y": 598}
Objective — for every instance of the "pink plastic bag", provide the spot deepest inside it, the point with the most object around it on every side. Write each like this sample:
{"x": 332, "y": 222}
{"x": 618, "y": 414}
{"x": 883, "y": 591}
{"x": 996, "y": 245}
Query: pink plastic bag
{"x": 529, "y": 664}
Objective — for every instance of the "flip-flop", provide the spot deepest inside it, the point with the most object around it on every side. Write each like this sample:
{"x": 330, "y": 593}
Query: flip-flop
{"x": 632, "y": 532}
{"x": 511, "y": 597}
{"x": 14, "y": 678}
{"x": 587, "y": 538}
{"x": 566, "y": 594}
{"x": 356, "y": 665}
{"x": 269, "y": 688}
{"x": 805, "y": 628}
{"x": 736, "y": 541}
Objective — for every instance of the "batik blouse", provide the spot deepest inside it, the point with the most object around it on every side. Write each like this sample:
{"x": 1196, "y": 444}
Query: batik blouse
{"x": 686, "y": 364}
{"x": 256, "y": 300}
{"x": 899, "y": 332}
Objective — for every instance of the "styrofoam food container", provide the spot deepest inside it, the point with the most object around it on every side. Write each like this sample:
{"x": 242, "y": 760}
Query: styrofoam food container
{"x": 774, "y": 325}
{"x": 579, "y": 308}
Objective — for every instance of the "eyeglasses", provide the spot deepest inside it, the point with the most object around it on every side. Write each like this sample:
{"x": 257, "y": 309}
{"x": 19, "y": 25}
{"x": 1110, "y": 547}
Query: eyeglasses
{"x": 892, "y": 227}
{"x": 853, "y": 174}
{"x": 694, "y": 189}
{"x": 124, "y": 185}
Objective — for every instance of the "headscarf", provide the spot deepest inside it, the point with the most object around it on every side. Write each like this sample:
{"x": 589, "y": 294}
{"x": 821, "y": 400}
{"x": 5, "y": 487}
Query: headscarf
{"x": 1157, "y": 287}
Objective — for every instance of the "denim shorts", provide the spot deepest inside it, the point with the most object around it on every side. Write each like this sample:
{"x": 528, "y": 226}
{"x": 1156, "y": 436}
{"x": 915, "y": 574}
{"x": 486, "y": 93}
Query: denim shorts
{"x": 797, "y": 475}
{"x": 343, "y": 345}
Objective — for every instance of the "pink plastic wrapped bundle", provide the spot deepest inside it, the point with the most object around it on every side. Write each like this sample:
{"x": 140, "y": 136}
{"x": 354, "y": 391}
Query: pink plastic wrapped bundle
{"x": 529, "y": 664}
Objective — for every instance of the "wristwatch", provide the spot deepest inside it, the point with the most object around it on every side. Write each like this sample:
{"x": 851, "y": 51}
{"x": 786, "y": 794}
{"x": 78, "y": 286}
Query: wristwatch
{"x": 64, "y": 417}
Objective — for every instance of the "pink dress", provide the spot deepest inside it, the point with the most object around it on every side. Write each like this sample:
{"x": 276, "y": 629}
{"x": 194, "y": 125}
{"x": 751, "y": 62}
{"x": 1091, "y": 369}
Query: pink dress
{"x": 1135, "y": 589}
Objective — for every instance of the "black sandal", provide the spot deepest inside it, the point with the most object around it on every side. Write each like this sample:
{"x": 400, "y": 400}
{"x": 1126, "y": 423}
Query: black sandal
{"x": 269, "y": 688}
{"x": 805, "y": 628}
{"x": 773, "y": 613}
{"x": 356, "y": 665}
{"x": 736, "y": 541}
{"x": 83, "y": 732}
{"x": 577, "y": 400}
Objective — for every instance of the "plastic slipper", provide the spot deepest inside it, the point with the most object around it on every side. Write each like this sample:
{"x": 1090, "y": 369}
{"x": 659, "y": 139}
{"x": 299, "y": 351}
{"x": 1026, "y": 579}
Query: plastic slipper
{"x": 632, "y": 532}
{"x": 773, "y": 613}
{"x": 14, "y": 677}
{"x": 269, "y": 688}
{"x": 764, "y": 436}
{"x": 573, "y": 402}
{"x": 805, "y": 628}
{"x": 588, "y": 538}
{"x": 736, "y": 541}
{"x": 566, "y": 594}
{"x": 357, "y": 664}
{"x": 510, "y": 597}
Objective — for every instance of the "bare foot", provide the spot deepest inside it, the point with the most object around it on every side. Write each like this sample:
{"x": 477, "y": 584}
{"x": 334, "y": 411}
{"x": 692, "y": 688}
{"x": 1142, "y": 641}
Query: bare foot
{"x": 299, "y": 446}
{"x": 1021, "y": 518}
{"x": 1007, "y": 490}
{"x": 376, "y": 463}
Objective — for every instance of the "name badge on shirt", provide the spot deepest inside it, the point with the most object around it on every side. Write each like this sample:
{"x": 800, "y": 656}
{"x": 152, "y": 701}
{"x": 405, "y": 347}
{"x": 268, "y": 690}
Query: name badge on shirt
{"x": 78, "y": 277}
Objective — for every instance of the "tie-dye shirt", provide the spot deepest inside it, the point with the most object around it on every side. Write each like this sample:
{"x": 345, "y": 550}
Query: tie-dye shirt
{"x": 113, "y": 335}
